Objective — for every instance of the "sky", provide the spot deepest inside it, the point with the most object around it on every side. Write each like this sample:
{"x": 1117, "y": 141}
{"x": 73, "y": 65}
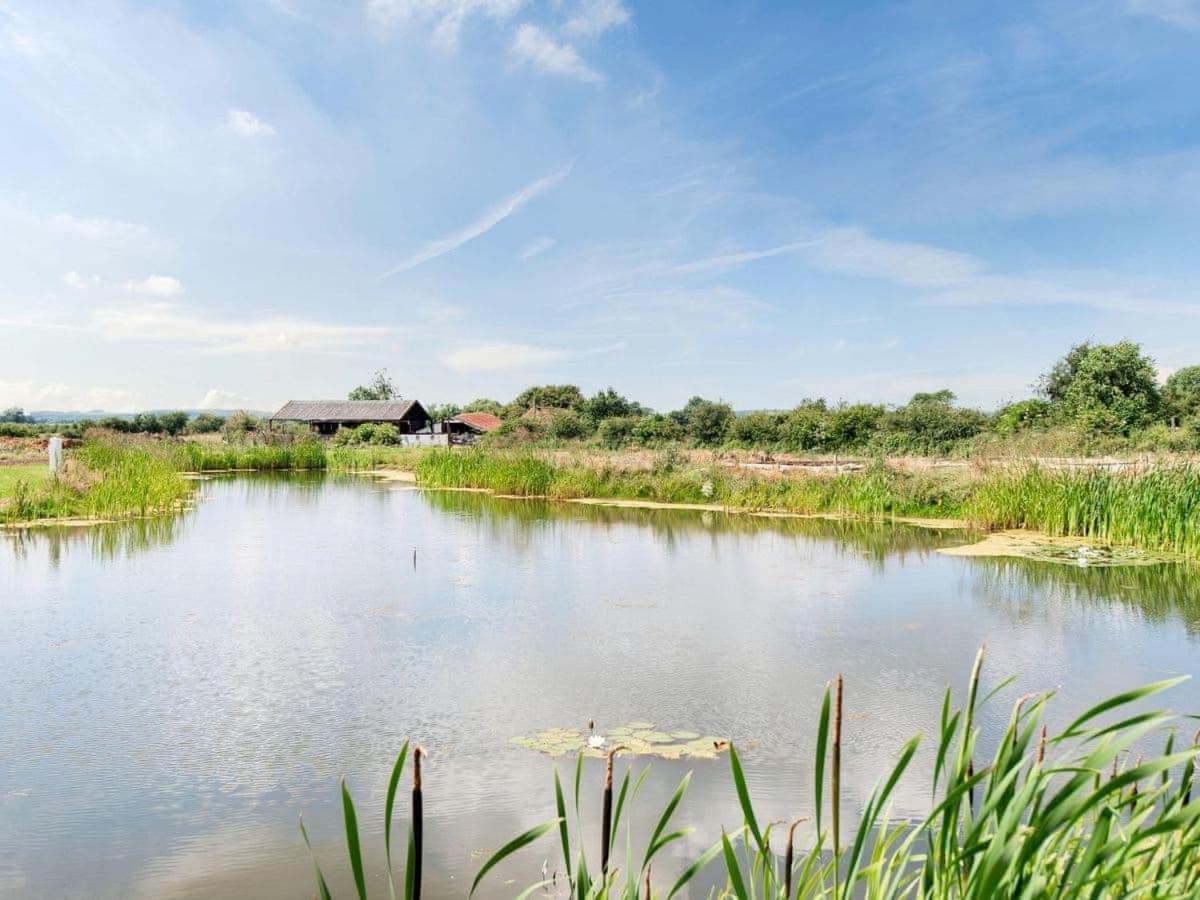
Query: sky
{"x": 236, "y": 204}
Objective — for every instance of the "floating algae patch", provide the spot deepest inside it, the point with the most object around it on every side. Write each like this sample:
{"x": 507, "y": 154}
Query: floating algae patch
{"x": 1071, "y": 551}
{"x": 638, "y": 738}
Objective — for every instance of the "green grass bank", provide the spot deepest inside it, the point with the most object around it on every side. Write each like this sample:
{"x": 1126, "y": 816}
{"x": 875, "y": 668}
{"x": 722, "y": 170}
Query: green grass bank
{"x": 1154, "y": 509}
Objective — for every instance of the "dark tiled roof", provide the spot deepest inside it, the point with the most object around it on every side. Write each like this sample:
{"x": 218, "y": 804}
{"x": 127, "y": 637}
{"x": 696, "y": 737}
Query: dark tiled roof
{"x": 344, "y": 410}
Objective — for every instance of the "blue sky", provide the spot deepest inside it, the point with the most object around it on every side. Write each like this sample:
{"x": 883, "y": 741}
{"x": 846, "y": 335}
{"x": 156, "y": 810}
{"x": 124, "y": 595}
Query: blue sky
{"x": 240, "y": 203}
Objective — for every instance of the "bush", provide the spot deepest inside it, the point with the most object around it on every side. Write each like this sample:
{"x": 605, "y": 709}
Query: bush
{"x": 240, "y": 425}
{"x": 756, "y": 429}
{"x": 566, "y": 426}
{"x": 206, "y": 423}
{"x": 616, "y": 433}
{"x": 656, "y": 430}
{"x": 805, "y": 427}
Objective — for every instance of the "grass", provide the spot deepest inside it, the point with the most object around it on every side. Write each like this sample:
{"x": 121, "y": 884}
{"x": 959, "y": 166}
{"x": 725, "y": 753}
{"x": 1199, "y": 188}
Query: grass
{"x": 1073, "y": 813}
{"x": 101, "y": 480}
{"x": 1153, "y": 509}
{"x": 10, "y": 476}
{"x": 879, "y": 491}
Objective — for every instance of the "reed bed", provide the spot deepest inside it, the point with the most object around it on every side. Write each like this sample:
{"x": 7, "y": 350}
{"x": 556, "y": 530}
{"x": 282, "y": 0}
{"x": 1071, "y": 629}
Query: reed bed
{"x": 198, "y": 457}
{"x": 1065, "y": 814}
{"x": 1157, "y": 508}
{"x": 102, "y": 480}
{"x": 880, "y": 491}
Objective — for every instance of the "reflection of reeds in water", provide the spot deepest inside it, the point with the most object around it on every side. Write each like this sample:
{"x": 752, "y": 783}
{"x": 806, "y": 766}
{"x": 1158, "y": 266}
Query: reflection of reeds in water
{"x": 1039, "y": 818}
{"x": 1158, "y": 593}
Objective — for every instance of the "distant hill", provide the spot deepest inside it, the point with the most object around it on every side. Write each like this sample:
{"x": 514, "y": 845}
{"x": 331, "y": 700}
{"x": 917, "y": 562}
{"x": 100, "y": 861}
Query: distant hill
{"x": 68, "y": 416}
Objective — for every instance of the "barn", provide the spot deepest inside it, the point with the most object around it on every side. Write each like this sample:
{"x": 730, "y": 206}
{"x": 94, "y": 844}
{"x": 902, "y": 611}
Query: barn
{"x": 327, "y": 416}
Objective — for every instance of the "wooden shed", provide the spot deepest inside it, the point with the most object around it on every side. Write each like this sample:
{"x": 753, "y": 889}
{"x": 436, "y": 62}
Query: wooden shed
{"x": 327, "y": 416}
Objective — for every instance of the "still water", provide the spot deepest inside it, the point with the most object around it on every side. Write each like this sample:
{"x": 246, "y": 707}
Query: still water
{"x": 175, "y": 692}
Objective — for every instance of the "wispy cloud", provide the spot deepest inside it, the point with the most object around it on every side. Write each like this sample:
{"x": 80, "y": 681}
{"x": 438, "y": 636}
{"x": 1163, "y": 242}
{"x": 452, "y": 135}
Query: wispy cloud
{"x": 248, "y": 125}
{"x": 533, "y": 46}
{"x": 497, "y": 357}
{"x": 1062, "y": 289}
{"x": 594, "y": 17}
{"x": 1183, "y": 13}
{"x": 855, "y": 252}
{"x": 536, "y": 246}
{"x": 170, "y": 323}
{"x": 79, "y": 282}
{"x": 446, "y": 16}
{"x": 490, "y": 218}
{"x": 94, "y": 228}
{"x": 727, "y": 261}
{"x": 852, "y": 251}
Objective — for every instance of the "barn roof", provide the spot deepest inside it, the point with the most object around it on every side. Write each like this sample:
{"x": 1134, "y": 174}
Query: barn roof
{"x": 346, "y": 410}
{"x": 480, "y": 421}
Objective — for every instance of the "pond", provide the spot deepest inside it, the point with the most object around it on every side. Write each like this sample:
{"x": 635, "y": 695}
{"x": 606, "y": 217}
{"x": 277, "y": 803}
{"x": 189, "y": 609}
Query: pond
{"x": 176, "y": 691}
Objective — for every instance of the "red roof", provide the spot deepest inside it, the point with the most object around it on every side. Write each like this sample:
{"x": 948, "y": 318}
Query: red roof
{"x": 480, "y": 421}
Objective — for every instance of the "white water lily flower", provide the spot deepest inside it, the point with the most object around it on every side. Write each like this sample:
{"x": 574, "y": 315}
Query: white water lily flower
{"x": 595, "y": 741}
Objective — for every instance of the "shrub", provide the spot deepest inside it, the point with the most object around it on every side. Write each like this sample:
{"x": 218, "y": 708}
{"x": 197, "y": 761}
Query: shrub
{"x": 616, "y": 433}
{"x": 567, "y": 425}
{"x": 656, "y": 430}
{"x": 756, "y": 429}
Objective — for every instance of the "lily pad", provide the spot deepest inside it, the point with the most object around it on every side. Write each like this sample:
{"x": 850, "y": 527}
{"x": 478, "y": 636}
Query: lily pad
{"x": 637, "y": 738}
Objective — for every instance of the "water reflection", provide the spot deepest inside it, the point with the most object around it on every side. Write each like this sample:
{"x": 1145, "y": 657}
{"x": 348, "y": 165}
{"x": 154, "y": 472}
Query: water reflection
{"x": 179, "y": 689}
{"x": 514, "y": 520}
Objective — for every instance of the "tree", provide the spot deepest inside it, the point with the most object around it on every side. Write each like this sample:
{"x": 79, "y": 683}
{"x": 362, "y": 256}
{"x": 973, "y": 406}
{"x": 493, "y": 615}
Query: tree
{"x": 206, "y": 423}
{"x": 616, "y": 432}
{"x": 944, "y": 397}
{"x": 805, "y": 427}
{"x": 852, "y": 425}
{"x": 706, "y": 421}
{"x": 1113, "y": 389}
{"x": 1181, "y": 394}
{"x": 657, "y": 429}
{"x": 16, "y": 415}
{"x": 554, "y": 396}
{"x": 608, "y": 404}
{"x": 484, "y": 404}
{"x": 380, "y": 388}
{"x": 1055, "y": 383}
{"x": 173, "y": 423}
{"x": 756, "y": 429}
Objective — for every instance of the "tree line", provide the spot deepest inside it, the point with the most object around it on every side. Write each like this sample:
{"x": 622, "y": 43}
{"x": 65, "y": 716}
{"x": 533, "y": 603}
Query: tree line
{"x": 1094, "y": 393}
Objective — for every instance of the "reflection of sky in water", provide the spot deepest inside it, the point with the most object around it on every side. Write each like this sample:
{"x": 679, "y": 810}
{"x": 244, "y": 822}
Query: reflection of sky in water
{"x": 176, "y": 691}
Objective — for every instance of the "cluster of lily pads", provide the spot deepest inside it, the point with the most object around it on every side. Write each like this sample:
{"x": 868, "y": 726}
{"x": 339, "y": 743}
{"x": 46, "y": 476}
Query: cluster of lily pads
{"x": 638, "y": 738}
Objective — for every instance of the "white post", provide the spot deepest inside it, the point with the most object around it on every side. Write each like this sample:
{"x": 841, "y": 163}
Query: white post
{"x": 55, "y": 447}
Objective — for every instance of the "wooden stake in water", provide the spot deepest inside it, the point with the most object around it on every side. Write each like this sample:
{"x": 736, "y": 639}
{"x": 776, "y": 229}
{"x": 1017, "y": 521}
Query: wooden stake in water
{"x": 417, "y": 825}
{"x": 836, "y": 782}
{"x": 606, "y": 812}
{"x": 788, "y": 860}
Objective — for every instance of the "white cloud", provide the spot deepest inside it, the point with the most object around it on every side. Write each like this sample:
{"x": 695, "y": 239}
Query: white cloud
{"x": 536, "y": 246}
{"x": 75, "y": 280}
{"x": 1184, "y": 13}
{"x": 157, "y": 286}
{"x": 594, "y": 17}
{"x": 733, "y": 260}
{"x": 94, "y": 228}
{"x": 1058, "y": 289}
{"x": 490, "y": 218}
{"x": 446, "y": 16}
{"x": 218, "y": 399}
{"x": 497, "y": 357}
{"x": 248, "y": 125}
{"x": 55, "y": 395}
{"x": 534, "y": 47}
{"x": 854, "y": 252}
{"x": 166, "y": 322}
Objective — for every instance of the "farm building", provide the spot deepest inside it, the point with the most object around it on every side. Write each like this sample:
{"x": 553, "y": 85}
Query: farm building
{"x": 327, "y": 416}
{"x": 473, "y": 424}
